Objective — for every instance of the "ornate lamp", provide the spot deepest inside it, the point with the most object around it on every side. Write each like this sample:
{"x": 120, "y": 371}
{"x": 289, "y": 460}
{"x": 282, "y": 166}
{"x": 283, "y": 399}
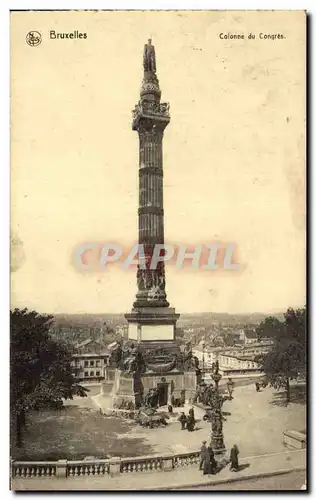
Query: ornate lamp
{"x": 217, "y": 440}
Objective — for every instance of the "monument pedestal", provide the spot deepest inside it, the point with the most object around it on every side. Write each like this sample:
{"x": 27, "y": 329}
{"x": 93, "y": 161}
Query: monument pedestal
{"x": 156, "y": 361}
{"x": 152, "y": 324}
{"x": 126, "y": 389}
{"x": 172, "y": 386}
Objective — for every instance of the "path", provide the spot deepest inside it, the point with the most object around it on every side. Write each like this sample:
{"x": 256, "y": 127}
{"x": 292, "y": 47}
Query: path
{"x": 281, "y": 482}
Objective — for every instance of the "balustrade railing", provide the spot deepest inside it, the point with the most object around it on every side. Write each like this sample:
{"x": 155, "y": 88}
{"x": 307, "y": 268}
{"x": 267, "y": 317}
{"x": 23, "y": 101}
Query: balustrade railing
{"x": 141, "y": 464}
{"x": 88, "y": 468}
{"x": 186, "y": 459}
{"x": 105, "y": 467}
{"x": 33, "y": 469}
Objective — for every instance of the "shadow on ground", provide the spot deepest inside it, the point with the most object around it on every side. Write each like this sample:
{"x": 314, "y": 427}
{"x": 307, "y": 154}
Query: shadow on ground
{"x": 243, "y": 467}
{"x": 297, "y": 396}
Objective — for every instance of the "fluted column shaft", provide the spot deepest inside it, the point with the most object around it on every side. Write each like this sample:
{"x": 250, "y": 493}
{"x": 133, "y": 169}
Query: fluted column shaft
{"x": 151, "y": 282}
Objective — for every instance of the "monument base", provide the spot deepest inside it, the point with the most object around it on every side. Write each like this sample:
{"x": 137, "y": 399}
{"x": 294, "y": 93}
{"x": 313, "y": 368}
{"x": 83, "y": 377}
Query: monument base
{"x": 152, "y": 324}
{"x": 174, "y": 388}
{"x": 156, "y": 361}
{"x": 123, "y": 392}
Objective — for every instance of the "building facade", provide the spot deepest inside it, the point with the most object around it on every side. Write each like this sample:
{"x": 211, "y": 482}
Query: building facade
{"x": 90, "y": 360}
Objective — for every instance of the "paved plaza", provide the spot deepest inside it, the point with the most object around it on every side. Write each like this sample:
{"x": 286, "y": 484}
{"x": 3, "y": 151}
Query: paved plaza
{"x": 254, "y": 421}
{"x": 291, "y": 481}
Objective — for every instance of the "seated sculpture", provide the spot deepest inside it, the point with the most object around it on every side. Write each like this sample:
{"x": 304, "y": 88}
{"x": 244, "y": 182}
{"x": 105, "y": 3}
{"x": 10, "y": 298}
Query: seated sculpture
{"x": 151, "y": 398}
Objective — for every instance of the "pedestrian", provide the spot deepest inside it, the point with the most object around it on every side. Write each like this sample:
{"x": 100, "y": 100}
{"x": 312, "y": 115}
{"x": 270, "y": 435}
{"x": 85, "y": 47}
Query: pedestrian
{"x": 210, "y": 463}
{"x": 234, "y": 452}
{"x": 207, "y": 462}
{"x": 212, "y": 460}
{"x": 191, "y": 413}
{"x": 257, "y": 386}
{"x": 202, "y": 455}
{"x": 230, "y": 387}
{"x": 183, "y": 420}
{"x": 190, "y": 423}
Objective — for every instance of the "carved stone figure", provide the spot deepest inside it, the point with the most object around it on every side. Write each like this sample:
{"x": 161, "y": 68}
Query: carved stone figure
{"x": 197, "y": 398}
{"x": 215, "y": 367}
{"x": 149, "y": 61}
{"x": 140, "y": 279}
{"x": 189, "y": 362}
{"x": 151, "y": 398}
{"x": 131, "y": 360}
{"x": 150, "y": 280}
{"x": 154, "y": 292}
{"x": 161, "y": 282}
{"x": 116, "y": 356}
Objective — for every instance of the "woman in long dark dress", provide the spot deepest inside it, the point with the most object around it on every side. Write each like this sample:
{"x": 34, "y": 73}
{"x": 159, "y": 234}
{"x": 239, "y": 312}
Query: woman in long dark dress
{"x": 190, "y": 423}
{"x": 234, "y": 452}
{"x": 207, "y": 462}
{"x": 210, "y": 462}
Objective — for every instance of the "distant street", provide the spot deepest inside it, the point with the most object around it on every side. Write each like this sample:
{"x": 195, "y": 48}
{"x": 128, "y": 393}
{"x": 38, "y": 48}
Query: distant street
{"x": 291, "y": 481}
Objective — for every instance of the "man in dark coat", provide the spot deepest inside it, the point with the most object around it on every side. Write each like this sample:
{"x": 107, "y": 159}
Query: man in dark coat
{"x": 230, "y": 387}
{"x": 234, "y": 452}
{"x": 202, "y": 455}
{"x": 182, "y": 420}
{"x": 190, "y": 423}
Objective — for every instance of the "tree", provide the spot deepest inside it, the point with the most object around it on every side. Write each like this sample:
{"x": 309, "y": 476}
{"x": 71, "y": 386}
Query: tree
{"x": 270, "y": 327}
{"x": 287, "y": 358}
{"x": 41, "y": 371}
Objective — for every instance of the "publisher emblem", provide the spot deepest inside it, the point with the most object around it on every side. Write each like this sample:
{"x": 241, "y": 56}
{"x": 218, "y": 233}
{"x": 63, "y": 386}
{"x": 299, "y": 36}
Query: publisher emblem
{"x": 33, "y": 38}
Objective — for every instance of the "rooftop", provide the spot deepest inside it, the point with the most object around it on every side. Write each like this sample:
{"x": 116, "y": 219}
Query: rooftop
{"x": 250, "y": 334}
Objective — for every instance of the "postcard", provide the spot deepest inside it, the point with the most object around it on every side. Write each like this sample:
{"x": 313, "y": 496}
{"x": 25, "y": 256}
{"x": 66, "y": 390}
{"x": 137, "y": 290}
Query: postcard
{"x": 158, "y": 250}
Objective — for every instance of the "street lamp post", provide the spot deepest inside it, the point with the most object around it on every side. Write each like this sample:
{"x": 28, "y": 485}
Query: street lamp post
{"x": 217, "y": 440}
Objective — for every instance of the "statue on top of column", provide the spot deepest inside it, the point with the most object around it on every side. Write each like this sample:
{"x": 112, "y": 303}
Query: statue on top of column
{"x": 149, "y": 57}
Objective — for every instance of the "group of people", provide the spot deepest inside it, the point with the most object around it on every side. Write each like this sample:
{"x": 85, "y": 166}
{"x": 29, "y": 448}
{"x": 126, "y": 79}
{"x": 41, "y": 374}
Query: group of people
{"x": 187, "y": 421}
{"x": 208, "y": 463}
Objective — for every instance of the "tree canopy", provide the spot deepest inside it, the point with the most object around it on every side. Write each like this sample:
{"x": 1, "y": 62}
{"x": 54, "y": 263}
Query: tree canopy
{"x": 287, "y": 358}
{"x": 41, "y": 371}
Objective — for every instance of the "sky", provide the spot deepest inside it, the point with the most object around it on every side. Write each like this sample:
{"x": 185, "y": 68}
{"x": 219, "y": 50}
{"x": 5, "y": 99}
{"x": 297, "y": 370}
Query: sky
{"x": 234, "y": 156}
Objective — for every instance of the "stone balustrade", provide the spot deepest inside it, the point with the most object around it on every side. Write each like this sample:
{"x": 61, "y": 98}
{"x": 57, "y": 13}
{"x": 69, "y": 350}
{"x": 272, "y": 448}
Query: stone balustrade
{"x": 141, "y": 464}
{"x": 186, "y": 459}
{"x": 33, "y": 469}
{"x": 87, "y": 468}
{"x": 103, "y": 467}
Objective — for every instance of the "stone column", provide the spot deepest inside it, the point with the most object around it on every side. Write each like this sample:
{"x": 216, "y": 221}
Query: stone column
{"x": 150, "y": 118}
{"x": 151, "y": 282}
